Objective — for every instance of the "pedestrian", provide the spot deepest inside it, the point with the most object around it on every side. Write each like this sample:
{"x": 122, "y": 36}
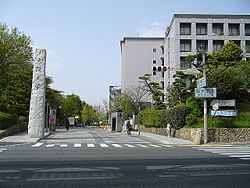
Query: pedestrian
{"x": 168, "y": 129}
{"x": 66, "y": 122}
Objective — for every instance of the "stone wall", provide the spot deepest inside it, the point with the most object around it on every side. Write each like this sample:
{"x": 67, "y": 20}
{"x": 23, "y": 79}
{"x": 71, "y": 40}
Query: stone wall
{"x": 196, "y": 134}
{"x": 22, "y": 127}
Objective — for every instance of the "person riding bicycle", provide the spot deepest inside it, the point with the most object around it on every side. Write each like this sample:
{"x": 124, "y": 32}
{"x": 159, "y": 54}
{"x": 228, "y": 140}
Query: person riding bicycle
{"x": 129, "y": 127}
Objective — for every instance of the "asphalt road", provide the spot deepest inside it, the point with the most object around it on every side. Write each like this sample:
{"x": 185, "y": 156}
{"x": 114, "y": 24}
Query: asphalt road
{"x": 97, "y": 158}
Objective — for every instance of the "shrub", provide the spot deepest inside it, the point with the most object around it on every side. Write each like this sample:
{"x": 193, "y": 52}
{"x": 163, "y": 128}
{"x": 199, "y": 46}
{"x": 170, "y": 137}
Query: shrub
{"x": 149, "y": 117}
{"x": 6, "y": 120}
{"x": 177, "y": 116}
{"x": 163, "y": 118}
{"x": 196, "y": 111}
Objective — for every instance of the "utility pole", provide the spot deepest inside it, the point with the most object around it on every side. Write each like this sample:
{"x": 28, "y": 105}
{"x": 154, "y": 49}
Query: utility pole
{"x": 205, "y": 102}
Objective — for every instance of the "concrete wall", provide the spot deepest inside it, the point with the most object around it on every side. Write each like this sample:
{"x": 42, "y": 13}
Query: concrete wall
{"x": 214, "y": 135}
{"x": 22, "y": 127}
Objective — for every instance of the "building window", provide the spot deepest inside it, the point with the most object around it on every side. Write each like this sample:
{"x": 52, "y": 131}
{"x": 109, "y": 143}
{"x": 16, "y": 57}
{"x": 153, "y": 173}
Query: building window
{"x": 185, "y": 45}
{"x": 184, "y": 64}
{"x": 154, "y": 50}
{"x": 201, "y": 29}
{"x": 217, "y": 44}
{"x": 217, "y": 28}
{"x": 154, "y": 61}
{"x": 201, "y": 45}
{"x": 247, "y": 29}
{"x": 234, "y": 29}
{"x": 185, "y": 28}
{"x": 154, "y": 73}
{"x": 247, "y": 46}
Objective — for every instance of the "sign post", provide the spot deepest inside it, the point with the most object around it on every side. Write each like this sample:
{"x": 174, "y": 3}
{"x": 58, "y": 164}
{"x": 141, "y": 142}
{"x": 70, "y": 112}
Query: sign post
{"x": 201, "y": 82}
{"x": 205, "y": 93}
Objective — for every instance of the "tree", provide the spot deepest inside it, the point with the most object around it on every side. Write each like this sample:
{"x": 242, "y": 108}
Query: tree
{"x": 88, "y": 115}
{"x": 15, "y": 71}
{"x": 100, "y": 114}
{"x": 180, "y": 90}
{"x": 226, "y": 71}
{"x": 154, "y": 89}
{"x": 54, "y": 98}
{"x": 72, "y": 105}
{"x": 137, "y": 94}
{"x": 124, "y": 103}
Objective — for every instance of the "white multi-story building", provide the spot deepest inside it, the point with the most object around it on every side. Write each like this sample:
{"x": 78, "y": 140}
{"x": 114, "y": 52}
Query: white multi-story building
{"x": 139, "y": 55}
{"x": 188, "y": 33}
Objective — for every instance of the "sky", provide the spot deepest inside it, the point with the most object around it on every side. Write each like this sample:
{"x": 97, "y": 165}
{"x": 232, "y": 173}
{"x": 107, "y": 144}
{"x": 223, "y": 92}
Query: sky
{"x": 82, "y": 37}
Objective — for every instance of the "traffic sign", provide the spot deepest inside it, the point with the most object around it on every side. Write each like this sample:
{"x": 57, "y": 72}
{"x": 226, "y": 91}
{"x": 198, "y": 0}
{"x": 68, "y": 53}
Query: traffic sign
{"x": 227, "y": 113}
{"x": 216, "y": 106}
{"x": 201, "y": 82}
{"x": 205, "y": 92}
{"x": 52, "y": 120}
{"x": 223, "y": 102}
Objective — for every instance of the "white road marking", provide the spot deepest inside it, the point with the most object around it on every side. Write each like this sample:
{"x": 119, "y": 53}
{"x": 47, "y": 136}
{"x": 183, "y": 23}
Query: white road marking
{"x": 241, "y": 152}
{"x": 167, "y": 146}
{"x": 240, "y": 156}
{"x": 90, "y": 145}
{"x": 117, "y": 145}
{"x": 37, "y": 145}
{"x": 154, "y": 146}
{"x": 104, "y": 145}
{"x": 77, "y": 145}
{"x": 245, "y": 158}
{"x": 143, "y": 146}
{"x": 2, "y": 149}
{"x": 50, "y": 145}
{"x": 129, "y": 145}
{"x": 63, "y": 145}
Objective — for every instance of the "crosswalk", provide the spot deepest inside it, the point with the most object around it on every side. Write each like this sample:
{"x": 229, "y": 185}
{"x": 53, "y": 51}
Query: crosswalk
{"x": 100, "y": 145}
{"x": 241, "y": 152}
{"x": 2, "y": 149}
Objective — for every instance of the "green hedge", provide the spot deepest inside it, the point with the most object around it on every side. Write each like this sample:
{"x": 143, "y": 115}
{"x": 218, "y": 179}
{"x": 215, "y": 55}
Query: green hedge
{"x": 176, "y": 116}
{"x": 149, "y": 118}
{"x": 6, "y": 120}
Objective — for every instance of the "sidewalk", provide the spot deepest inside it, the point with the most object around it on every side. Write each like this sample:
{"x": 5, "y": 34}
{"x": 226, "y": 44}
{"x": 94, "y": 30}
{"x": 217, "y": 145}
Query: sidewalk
{"x": 165, "y": 140}
{"x": 21, "y": 138}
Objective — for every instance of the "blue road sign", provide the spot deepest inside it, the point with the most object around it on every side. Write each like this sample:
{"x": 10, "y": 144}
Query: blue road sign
{"x": 205, "y": 92}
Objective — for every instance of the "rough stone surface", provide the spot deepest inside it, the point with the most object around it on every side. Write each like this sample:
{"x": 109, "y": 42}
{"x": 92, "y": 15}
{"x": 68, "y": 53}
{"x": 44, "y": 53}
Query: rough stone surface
{"x": 214, "y": 135}
{"x": 19, "y": 128}
{"x": 37, "y": 102}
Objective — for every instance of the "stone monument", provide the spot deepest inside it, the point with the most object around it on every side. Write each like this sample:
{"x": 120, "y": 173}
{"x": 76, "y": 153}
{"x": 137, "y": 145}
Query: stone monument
{"x": 36, "y": 126}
